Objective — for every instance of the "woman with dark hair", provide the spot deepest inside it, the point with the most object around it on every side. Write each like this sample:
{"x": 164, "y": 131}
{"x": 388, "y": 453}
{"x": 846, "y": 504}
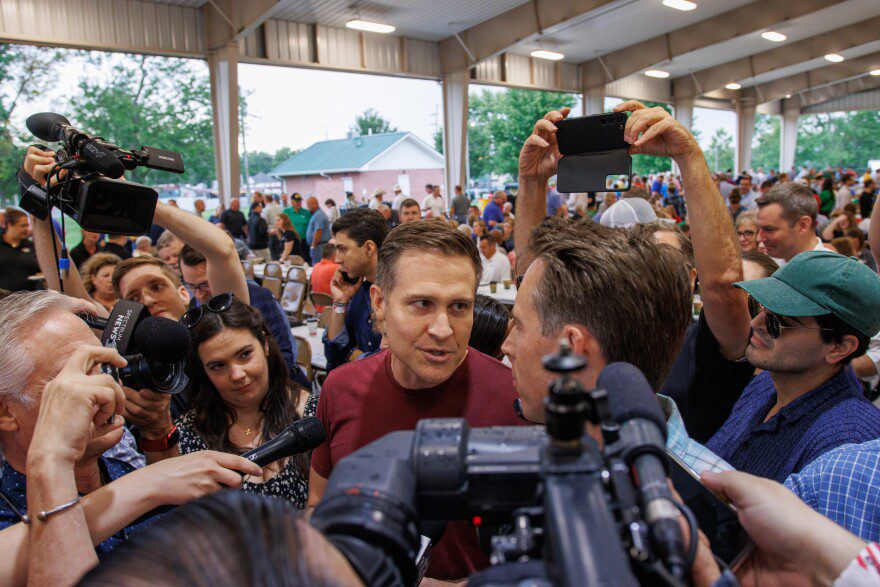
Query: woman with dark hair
{"x": 859, "y": 246}
{"x": 241, "y": 394}
{"x": 287, "y": 240}
{"x": 491, "y": 326}
{"x": 827, "y": 197}
{"x": 230, "y": 538}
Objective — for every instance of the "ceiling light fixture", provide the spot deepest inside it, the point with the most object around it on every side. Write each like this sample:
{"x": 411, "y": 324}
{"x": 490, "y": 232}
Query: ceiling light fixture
{"x": 545, "y": 54}
{"x": 875, "y": 72}
{"x": 834, "y": 58}
{"x": 787, "y": 96}
{"x": 680, "y": 4}
{"x": 658, "y": 73}
{"x": 774, "y": 36}
{"x": 733, "y": 86}
{"x": 372, "y": 27}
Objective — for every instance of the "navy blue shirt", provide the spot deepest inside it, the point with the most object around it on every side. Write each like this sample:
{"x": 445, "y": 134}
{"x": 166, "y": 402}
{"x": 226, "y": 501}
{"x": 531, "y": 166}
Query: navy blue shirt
{"x": 14, "y": 486}
{"x": 358, "y": 331}
{"x": 831, "y": 415}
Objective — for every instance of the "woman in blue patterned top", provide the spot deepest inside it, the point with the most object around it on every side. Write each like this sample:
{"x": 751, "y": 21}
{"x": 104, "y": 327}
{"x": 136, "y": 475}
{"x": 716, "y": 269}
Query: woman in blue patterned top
{"x": 242, "y": 395}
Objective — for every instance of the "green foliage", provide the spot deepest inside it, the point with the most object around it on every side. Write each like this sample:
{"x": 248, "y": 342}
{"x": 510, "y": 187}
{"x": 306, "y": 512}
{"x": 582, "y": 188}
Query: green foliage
{"x": 370, "y": 121}
{"x": 719, "y": 154}
{"x": 156, "y": 101}
{"x": 850, "y": 139}
{"x": 645, "y": 164}
{"x": 499, "y": 124}
{"x": 765, "y": 145}
{"x": 438, "y": 140}
{"x": 263, "y": 162}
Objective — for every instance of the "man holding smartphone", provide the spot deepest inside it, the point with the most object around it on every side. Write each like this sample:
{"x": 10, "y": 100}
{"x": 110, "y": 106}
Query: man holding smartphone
{"x": 349, "y": 332}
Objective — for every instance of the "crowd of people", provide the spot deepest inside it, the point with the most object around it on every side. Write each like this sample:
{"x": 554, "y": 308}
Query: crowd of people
{"x": 748, "y": 310}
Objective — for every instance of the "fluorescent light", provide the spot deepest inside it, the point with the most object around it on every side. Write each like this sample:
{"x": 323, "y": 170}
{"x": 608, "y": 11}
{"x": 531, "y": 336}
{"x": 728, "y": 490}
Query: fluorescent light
{"x": 372, "y": 27}
{"x": 787, "y": 96}
{"x": 733, "y": 86}
{"x": 659, "y": 73}
{"x": 875, "y": 72}
{"x": 544, "y": 54}
{"x": 774, "y": 36}
{"x": 680, "y": 4}
{"x": 834, "y": 58}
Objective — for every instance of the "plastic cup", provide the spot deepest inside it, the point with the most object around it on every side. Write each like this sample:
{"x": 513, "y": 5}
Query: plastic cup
{"x": 313, "y": 326}
{"x": 493, "y": 286}
{"x": 507, "y": 284}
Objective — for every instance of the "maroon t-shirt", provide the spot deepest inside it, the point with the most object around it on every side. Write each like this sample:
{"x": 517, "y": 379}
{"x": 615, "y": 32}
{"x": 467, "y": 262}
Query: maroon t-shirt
{"x": 362, "y": 402}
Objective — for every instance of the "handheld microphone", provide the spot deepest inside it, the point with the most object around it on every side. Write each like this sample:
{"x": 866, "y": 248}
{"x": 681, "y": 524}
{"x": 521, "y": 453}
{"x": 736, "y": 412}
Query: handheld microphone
{"x": 301, "y": 436}
{"x": 643, "y": 443}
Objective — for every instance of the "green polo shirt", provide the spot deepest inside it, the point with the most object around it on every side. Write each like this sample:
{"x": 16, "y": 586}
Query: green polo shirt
{"x": 300, "y": 220}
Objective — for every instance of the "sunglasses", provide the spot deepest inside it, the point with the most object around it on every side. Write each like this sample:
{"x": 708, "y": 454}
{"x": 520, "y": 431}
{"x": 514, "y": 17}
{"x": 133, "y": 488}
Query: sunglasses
{"x": 774, "y": 323}
{"x": 217, "y": 305}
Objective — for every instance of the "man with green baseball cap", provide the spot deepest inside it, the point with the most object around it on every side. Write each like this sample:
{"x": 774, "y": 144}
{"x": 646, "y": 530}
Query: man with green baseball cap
{"x": 810, "y": 319}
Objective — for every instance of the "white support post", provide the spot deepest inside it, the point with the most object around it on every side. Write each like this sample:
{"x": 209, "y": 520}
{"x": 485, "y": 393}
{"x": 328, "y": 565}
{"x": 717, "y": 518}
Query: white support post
{"x": 594, "y": 101}
{"x": 788, "y": 135}
{"x": 223, "y": 65}
{"x": 683, "y": 109}
{"x": 455, "y": 120}
{"x": 745, "y": 131}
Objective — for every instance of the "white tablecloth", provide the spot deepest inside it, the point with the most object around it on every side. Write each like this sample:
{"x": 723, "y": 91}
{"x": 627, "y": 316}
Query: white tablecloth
{"x": 258, "y": 270}
{"x": 319, "y": 361}
{"x": 505, "y": 296}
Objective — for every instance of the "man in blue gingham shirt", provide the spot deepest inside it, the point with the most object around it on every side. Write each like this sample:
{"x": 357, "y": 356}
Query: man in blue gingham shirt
{"x": 844, "y": 486}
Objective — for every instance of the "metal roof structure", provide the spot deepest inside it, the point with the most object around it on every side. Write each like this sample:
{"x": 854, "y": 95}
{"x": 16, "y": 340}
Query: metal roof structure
{"x": 719, "y": 54}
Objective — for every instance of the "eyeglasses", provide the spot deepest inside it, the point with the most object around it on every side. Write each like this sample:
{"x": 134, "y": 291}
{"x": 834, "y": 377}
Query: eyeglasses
{"x": 748, "y": 233}
{"x": 774, "y": 323}
{"x": 202, "y": 287}
{"x": 217, "y": 305}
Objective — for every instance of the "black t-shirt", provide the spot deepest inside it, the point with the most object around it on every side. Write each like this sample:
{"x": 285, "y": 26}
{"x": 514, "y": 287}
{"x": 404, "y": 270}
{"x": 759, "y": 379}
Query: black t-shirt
{"x": 704, "y": 383}
{"x": 258, "y": 232}
{"x": 116, "y": 249}
{"x": 234, "y": 222}
{"x": 16, "y": 264}
{"x": 80, "y": 255}
{"x": 289, "y": 236}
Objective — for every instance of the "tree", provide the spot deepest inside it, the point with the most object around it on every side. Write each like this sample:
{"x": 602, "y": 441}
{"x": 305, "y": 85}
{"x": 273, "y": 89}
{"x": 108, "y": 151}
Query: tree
{"x": 264, "y": 162}
{"x": 25, "y": 73}
{"x": 370, "y": 122}
{"x": 719, "y": 155}
{"x": 843, "y": 138}
{"x": 438, "y": 140}
{"x": 645, "y": 164}
{"x": 157, "y": 101}
{"x": 765, "y": 145}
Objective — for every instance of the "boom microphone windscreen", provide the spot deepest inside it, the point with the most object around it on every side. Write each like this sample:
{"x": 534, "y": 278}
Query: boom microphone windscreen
{"x": 161, "y": 339}
{"x": 630, "y": 395}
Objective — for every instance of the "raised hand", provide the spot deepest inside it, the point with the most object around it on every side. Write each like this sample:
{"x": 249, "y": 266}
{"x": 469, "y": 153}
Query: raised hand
{"x": 540, "y": 155}
{"x": 653, "y": 131}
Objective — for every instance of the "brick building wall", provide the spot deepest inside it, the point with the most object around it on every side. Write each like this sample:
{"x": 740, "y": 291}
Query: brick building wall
{"x": 332, "y": 187}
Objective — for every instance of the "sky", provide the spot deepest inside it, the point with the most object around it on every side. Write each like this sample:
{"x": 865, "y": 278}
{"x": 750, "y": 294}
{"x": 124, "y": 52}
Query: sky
{"x": 290, "y": 107}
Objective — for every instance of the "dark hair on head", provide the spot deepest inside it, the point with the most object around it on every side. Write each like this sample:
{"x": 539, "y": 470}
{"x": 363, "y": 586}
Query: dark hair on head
{"x": 636, "y": 192}
{"x": 329, "y": 202}
{"x": 632, "y": 295}
{"x": 328, "y": 252}
{"x": 190, "y": 257}
{"x": 362, "y": 225}
{"x": 13, "y": 215}
{"x": 827, "y": 184}
{"x": 857, "y": 233}
{"x": 767, "y": 184}
{"x": 409, "y": 203}
{"x": 490, "y": 326}
{"x": 796, "y": 201}
{"x": 842, "y": 245}
{"x": 734, "y": 197}
{"x": 212, "y": 415}
{"x": 429, "y": 186}
{"x": 685, "y": 246}
{"x": 837, "y": 329}
{"x": 433, "y": 237}
{"x": 231, "y": 538}
{"x": 763, "y": 260}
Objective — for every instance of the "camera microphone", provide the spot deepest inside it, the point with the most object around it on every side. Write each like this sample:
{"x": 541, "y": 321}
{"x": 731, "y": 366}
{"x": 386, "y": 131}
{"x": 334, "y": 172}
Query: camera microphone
{"x": 161, "y": 339}
{"x": 49, "y": 126}
{"x": 301, "y": 436}
{"x": 642, "y": 446}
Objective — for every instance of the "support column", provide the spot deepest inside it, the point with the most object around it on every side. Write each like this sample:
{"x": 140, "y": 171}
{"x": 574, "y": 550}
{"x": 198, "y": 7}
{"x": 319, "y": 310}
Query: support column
{"x": 223, "y": 65}
{"x": 745, "y": 131}
{"x": 594, "y": 101}
{"x": 788, "y": 135}
{"x": 683, "y": 109}
{"x": 455, "y": 119}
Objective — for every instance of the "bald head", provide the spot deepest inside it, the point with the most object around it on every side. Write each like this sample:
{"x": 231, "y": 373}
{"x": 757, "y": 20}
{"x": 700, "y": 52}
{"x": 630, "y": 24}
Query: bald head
{"x": 312, "y": 204}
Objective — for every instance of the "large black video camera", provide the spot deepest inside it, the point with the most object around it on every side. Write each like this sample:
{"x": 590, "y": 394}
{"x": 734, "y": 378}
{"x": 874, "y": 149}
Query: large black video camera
{"x": 576, "y": 515}
{"x": 91, "y": 192}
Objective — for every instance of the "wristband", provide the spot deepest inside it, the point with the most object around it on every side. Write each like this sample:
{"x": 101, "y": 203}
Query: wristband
{"x": 162, "y": 444}
{"x": 862, "y": 570}
{"x": 44, "y": 514}
{"x": 340, "y": 307}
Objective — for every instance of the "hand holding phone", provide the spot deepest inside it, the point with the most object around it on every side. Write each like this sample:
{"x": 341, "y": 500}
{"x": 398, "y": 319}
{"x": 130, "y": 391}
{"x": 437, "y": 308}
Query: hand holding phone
{"x": 595, "y": 156}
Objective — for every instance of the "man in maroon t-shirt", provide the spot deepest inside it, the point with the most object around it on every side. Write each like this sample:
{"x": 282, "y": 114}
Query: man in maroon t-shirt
{"x": 426, "y": 281}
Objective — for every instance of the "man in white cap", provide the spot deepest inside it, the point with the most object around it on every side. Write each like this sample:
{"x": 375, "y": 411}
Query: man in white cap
{"x": 399, "y": 197}
{"x": 628, "y": 212}
{"x": 376, "y": 201}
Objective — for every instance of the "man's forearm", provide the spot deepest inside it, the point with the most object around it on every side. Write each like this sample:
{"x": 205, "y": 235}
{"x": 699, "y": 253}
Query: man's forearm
{"x": 874, "y": 231}
{"x": 335, "y": 325}
{"x": 718, "y": 257}
{"x": 530, "y": 211}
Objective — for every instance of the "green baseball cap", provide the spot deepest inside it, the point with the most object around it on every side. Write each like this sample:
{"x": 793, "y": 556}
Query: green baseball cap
{"x": 822, "y": 282}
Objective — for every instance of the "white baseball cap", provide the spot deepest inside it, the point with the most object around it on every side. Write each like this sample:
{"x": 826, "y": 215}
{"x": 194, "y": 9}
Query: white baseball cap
{"x": 628, "y": 212}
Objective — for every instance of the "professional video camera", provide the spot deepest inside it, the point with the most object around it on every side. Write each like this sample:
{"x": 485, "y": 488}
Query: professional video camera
{"x": 155, "y": 347}
{"x": 580, "y": 515}
{"x": 91, "y": 192}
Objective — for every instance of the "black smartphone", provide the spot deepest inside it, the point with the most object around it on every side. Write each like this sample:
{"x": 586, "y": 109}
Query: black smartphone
{"x": 349, "y": 279}
{"x": 715, "y": 516}
{"x": 591, "y": 134}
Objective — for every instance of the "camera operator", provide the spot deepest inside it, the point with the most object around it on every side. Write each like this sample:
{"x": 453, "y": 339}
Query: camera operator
{"x": 426, "y": 280}
{"x": 54, "y": 410}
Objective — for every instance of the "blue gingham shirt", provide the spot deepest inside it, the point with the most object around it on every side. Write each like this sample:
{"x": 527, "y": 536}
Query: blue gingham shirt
{"x": 844, "y": 486}
{"x": 692, "y": 453}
